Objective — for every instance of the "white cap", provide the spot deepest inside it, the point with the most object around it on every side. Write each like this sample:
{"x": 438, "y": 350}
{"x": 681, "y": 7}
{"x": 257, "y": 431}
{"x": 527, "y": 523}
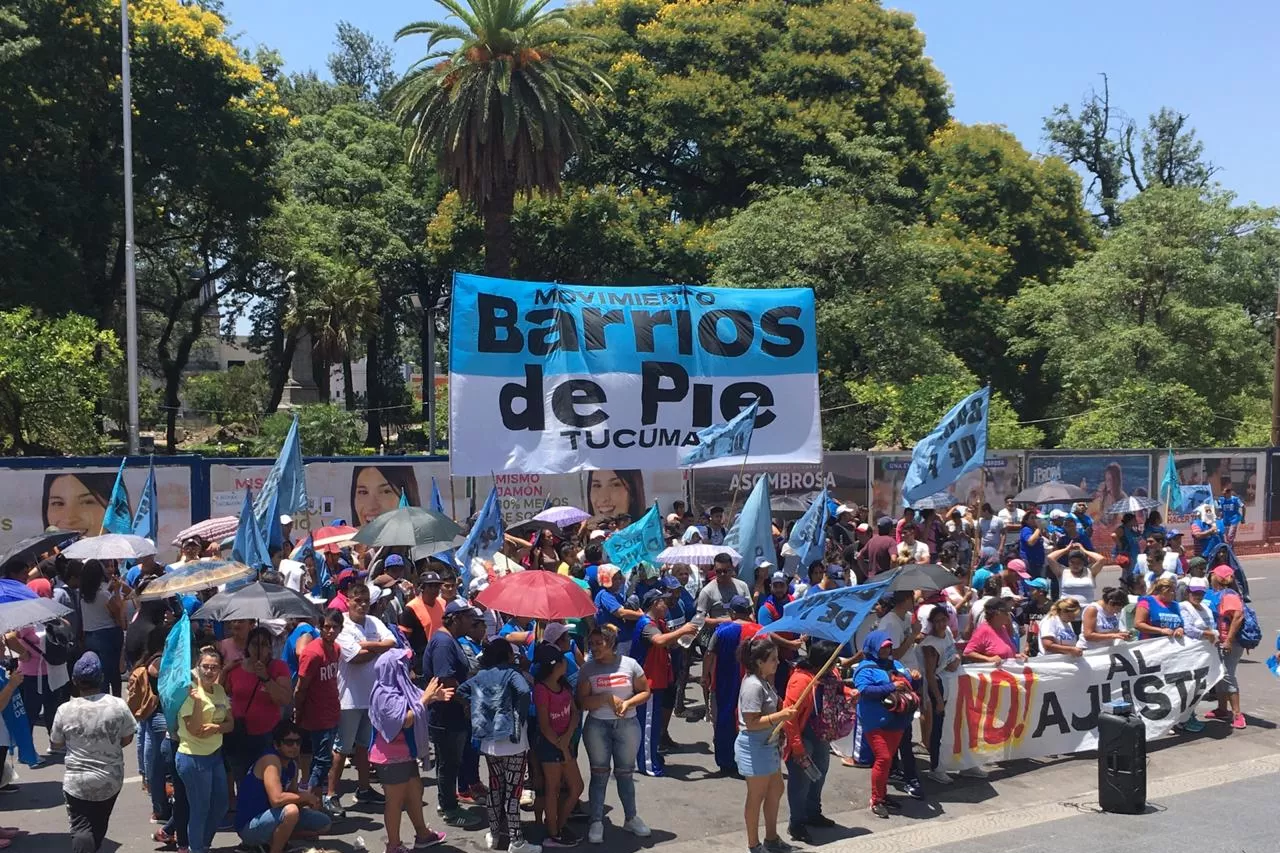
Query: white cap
{"x": 597, "y": 535}
{"x": 1005, "y": 592}
{"x": 286, "y": 519}
{"x": 375, "y": 592}
{"x": 553, "y": 632}
{"x": 843, "y": 508}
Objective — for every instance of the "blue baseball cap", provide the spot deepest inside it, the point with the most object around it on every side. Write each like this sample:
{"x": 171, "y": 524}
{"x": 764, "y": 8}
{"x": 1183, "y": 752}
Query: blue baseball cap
{"x": 1038, "y": 583}
{"x": 668, "y": 582}
{"x": 393, "y": 560}
{"x": 740, "y": 604}
{"x": 980, "y": 578}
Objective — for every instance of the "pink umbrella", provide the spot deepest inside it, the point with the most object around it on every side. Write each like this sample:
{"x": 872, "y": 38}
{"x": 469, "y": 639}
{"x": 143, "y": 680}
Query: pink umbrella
{"x": 211, "y": 529}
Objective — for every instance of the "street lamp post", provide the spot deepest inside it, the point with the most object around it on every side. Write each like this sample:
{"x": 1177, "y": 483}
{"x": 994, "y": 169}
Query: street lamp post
{"x": 130, "y": 279}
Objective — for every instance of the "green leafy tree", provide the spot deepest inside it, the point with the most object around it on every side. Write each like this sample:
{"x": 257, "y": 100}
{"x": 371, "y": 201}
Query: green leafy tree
{"x": 1163, "y": 301}
{"x": 54, "y": 371}
{"x": 237, "y": 395}
{"x": 323, "y": 429}
{"x": 1139, "y": 413}
{"x": 717, "y": 100}
{"x": 503, "y": 111}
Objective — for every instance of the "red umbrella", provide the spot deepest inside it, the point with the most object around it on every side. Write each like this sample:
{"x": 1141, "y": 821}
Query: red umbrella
{"x": 332, "y": 538}
{"x": 537, "y": 595}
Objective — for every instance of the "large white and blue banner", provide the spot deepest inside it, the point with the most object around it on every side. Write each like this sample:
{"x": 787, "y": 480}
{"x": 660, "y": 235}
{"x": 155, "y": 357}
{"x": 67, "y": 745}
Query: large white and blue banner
{"x": 554, "y": 378}
{"x": 957, "y": 445}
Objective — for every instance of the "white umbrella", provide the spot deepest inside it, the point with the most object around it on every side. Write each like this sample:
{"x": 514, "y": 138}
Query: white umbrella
{"x": 110, "y": 546}
{"x": 1133, "y": 503}
{"x": 696, "y": 555}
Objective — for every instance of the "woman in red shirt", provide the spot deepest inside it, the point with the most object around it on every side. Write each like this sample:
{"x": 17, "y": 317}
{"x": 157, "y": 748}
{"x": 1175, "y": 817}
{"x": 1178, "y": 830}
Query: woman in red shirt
{"x": 993, "y": 640}
{"x": 259, "y": 688}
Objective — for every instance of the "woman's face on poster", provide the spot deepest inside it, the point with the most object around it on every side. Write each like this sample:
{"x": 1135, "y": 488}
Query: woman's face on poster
{"x": 374, "y": 496}
{"x": 72, "y": 506}
{"x": 609, "y": 493}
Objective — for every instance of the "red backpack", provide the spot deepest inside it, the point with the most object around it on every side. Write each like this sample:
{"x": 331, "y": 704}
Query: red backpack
{"x": 833, "y": 710}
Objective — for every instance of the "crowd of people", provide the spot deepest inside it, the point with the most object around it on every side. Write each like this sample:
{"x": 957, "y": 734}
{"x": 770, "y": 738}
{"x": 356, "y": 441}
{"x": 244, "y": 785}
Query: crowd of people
{"x": 402, "y": 672}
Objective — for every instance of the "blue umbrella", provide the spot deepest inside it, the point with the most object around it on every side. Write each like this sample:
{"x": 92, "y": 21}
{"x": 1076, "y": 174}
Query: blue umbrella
{"x": 15, "y": 591}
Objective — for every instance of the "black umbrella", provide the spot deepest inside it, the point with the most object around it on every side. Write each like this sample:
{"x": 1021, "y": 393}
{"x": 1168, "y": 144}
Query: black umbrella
{"x": 409, "y": 526}
{"x": 28, "y": 551}
{"x": 21, "y": 613}
{"x": 1053, "y": 492}
{"x": 919, "y": 576}
{"x": 257, "y": 601}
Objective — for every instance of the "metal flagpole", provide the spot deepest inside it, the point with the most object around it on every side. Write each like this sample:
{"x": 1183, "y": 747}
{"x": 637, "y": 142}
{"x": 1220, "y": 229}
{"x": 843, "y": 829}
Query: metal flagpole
{"x": 130, "y": 280}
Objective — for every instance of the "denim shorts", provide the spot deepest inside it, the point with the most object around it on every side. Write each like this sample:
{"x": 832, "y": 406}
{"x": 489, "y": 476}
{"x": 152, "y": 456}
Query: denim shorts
{"x": 354, "y": 731}
{"x": 259, "y": 829}
{"x": 546, "y": 751}
{"x": 755, "y": 755}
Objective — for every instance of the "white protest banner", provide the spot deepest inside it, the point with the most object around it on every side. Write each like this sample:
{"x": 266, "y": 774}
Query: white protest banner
{"x": 555, "y": 378}
{"x": 1050, "y": 705}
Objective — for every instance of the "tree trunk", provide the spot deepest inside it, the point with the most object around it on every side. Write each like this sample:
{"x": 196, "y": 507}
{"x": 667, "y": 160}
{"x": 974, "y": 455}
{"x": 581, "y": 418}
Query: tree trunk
{"x": 278, "y": 370}
{"x": 320, "y": 372}
{"x": 172, "y": 379}
{"x": 348, "y": 384}
{"x": 373, "y": 389}
{"x": 497, "y": 211}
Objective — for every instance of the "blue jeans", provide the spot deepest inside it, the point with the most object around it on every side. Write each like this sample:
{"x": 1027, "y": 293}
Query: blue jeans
{"x": 180, "y": 814}
{"x": 206, "y": 780}
{"x": 804, "y": 795}
{"x": 321, "y": 758}
{"x": 152, "y": 734}
{"x": 613, "y": 742}
{"x": 108, "y": 644}
{"x": 259, "y": 829}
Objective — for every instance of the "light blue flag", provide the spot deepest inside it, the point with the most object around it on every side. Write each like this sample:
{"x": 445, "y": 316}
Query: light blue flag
{"x": 1273, "y": 662}
{"x": 273, "y": 532}
{"x": 437, "y": 502}
{"x": 17, "y": 721}
{"x": 639, "y": 542}
{"x": 1193, "y": 497}
{"x": 146, "y": 521}
{"x": 809, "y": 536}
{"x": 286, "y": 483}
{"x": 175, "y": 670}
{"x": 957, "y": 445}
{"x": 1170, "y": 485}
{"x": 751, "y": 533}
{"x": 249, "y": 546}
{"x": 404, "y": 500}
{"x": 720, "y": 441}
{"x": 832, "y": 615}
{"x": 118, "y": 518}
{"x": 485, "y": 538}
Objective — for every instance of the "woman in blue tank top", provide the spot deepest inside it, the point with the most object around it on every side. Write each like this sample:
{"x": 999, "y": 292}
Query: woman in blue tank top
{"x": 1157, "y": 614}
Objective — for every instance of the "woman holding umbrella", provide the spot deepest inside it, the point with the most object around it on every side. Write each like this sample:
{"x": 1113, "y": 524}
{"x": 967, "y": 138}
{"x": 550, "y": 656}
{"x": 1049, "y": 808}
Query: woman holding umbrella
{"x": 260, "y": 689}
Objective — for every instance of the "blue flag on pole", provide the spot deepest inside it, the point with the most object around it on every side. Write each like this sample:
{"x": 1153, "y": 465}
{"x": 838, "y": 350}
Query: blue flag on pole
{"x": 249, "y": 546}
{"x": 957, "y": 445}
{"x": 118, "y": 518}
{"x": 809, "y": 536}
{"x": 404, "y": 500}
{"x": 1170, "y": 485}
{"x": 175, "y": 670}
{"x": 640, "y": 541}
{"x": 286, "y": 483}
{"x": 145, "y": 520}
{"x": 720, "y": 441}
{"x": 485, "y": 538}
{"x": 17, "y": 721}
{"x": 437, "y": 502}
{"x": 273, "y": 533}
{"x": 751, "y": 533}
{"x": 832, "y": 615}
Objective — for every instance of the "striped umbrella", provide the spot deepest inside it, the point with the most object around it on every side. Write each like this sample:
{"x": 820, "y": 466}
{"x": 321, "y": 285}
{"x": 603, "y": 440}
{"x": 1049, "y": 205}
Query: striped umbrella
{"x": 696, "y": 555}
{"x": 211, "y": 529}
{"x": 193, "y": 577}
{"x": 331, "y": 539}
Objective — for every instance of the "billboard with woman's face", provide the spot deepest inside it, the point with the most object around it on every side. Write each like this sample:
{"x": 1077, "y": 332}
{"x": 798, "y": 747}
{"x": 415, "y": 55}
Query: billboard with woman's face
{"x": 1215, "y": 471}
{"x": 1107, "y": 477}
{"x": 1000, "y": 476}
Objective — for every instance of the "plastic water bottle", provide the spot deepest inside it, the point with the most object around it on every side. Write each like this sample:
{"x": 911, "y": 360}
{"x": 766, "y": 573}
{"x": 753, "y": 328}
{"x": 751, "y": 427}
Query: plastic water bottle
{"x": 687, "y": 640}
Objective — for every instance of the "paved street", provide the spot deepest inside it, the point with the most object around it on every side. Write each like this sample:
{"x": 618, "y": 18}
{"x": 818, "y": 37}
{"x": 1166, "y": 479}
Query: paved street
{"x": 1041, "y": 805}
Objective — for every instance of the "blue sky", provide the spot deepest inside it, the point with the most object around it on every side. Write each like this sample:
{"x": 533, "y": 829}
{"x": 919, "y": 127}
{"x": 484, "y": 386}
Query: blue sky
{"x": 1007, "y": 61}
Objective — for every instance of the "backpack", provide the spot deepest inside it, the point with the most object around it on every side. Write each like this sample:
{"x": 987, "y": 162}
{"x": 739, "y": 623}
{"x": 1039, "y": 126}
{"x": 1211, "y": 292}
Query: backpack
{"x": 59, "y": 642}
{"x": 143, "y": 700}
{"x": 833, "y": 711}
{"x": 1250, "y": 634}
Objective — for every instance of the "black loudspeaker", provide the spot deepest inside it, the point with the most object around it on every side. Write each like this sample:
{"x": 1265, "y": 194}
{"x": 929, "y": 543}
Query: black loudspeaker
{"x": 1122, "y": 763}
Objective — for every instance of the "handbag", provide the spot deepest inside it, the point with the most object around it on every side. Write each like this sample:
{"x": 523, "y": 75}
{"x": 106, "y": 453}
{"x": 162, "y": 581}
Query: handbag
{"x": 904, "y": 702}
{"x": 241, "y": 729}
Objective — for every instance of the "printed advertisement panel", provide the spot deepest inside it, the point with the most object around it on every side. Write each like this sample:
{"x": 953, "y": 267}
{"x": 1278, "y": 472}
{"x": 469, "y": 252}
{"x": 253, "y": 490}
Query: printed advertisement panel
{"x": 1215, "y": 470}
{"x": 76, "y": 499}
{"x": 1107, "y": 477}
{"x": 1000, "y": 476}
{"x": 791, "y": 487}
{"x": 555, "y": 378}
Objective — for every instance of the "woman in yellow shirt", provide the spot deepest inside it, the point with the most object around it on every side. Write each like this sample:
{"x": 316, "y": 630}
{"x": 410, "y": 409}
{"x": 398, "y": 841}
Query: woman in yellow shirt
{"x": 202, "y": 721}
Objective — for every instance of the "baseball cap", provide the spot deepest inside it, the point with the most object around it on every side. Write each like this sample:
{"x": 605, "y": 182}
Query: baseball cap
{"x": 668, "y": 582}
{"x": 843, "y": 508}
{"x": 1196, "y": 585}
{"x": 836, "y": 573}
{"x": 344, "y": 577}
{"x": 864, "y": 528}
{"x": 1039, "y": 583}
{"x": 673, "y": 518}
{"x": 553, "y": 632}
{"x": 778, "y": 577}
{"x": 765, "y": 564}
{"x": 1123, "y": 561}
{"x": 1172, "y": 533}
{"x": 428, "y": 578}
{"x": 597, "y": 535}
{"x": 1197, "y": 563}
{"x": 1058, "y": 513}
{"x": 980, "y": 578}
{"x": 376, "y": 592}
{"x": 740, "y": 604}
{"x": 1223, "y": 573}
{"x": 1019, "y": 567}
{"x": 651, "y": 598}
{"x": 459, "y": 606}
{"x": 883, "y": 520}
{"x": 393, "y": 560}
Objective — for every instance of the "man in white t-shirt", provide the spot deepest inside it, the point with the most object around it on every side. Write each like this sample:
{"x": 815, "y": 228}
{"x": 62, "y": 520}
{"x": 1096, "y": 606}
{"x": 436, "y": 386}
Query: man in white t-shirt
{"x": 1011, "y": 518}
{"x": 900, "y": 626}
{"x": 361, "y": 640}
{"x": 911, "y": 549}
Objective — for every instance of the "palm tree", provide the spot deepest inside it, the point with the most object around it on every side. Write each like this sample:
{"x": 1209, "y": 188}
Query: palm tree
{"x": 503, "y": 111}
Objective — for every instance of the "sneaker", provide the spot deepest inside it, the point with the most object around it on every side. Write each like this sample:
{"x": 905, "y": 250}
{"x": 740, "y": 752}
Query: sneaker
{"x": 399, "y": 848}
{"x": 368, "y": 795}
{"x": 1217, "y": 715}
{"x": 759, "y": 848}
{"x": 777, "y": 845}
{"x": 892, "y": 804}
{"x": 595, "y": 834}
{"x": 640, "y": 829}
{"x": 525, "y": 846}
{"x": 460, "y": 819}
{"x": 821, "y": 821}
{"x": 1238, "y": 722}
{"x": 333, "y": 807}
{"x": 495, "y": 842}
{"x": 559, "y": 841}
{"x": 799, "y": 832}
{"x": 975, "y": 773}
{"x": 431, "y": 839}
{"x": 940, "y": 776}
{"x": 568, "y": 836}
{"x": 913, "y": 790}
{"x": 879, "y": 810}
{"x": 579, "y": 812}
{"x": 526, "y": 799}
{"x": 1193, "y": 725}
